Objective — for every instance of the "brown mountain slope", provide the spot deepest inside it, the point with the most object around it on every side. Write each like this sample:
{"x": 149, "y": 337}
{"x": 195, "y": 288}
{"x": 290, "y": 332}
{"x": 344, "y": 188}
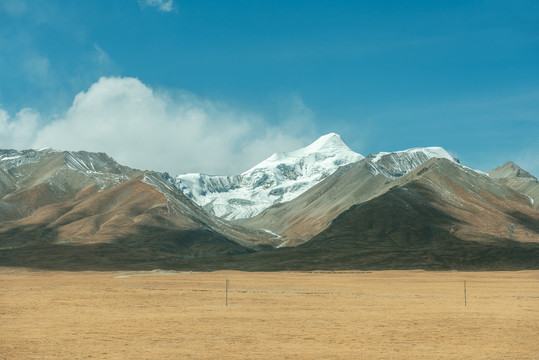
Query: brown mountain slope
{"x": 300, "y": 219}
{"x": 441, "y": 216}
{"x": 486, "y": 208}
{"x": 133, "y": 214}
{"x": 406, "y": 228}
{"x": 440, "y": 205}
{"x": 64, "y": 203}
{"x": 483, "y": 201}
{"x": 31, "y": 179}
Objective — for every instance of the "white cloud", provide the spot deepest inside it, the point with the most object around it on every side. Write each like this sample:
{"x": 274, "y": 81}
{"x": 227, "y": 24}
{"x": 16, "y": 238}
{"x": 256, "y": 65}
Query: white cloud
{"x": 161, "y": 5}
{"x": 167, "y": 132}
{"x": 20, "y": 131}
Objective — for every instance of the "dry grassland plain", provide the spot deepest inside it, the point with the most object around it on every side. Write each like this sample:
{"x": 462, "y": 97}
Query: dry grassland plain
{"x": 370, "y": 315}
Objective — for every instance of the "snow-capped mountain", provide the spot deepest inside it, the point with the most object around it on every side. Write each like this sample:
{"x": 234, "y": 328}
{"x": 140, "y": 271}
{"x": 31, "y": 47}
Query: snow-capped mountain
{"x": 64, "y": 169}
{"x": 279, "y": 178}
{"x": 398, "y": 163}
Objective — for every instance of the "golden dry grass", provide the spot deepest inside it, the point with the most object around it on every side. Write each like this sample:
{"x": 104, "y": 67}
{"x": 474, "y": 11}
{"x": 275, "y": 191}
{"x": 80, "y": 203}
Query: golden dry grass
{"x": 377, "y": 315}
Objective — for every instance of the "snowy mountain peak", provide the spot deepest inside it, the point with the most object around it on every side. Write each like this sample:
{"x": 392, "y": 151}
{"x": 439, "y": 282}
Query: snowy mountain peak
{"x": 328, "y": 142}
{"x": 399, "y": 163}
{"x": 281, "y": 177}
{"x": 326, "y": 146}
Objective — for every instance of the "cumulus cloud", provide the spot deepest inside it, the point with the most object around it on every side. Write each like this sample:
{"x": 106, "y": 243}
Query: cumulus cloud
{"x": 161, "y": 5}
{"x": 18, "y": 132}
{"x": 164, "y": 131}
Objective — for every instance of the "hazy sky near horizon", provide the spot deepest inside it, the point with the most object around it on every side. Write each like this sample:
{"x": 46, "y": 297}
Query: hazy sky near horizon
{"x": 217, "y": 86}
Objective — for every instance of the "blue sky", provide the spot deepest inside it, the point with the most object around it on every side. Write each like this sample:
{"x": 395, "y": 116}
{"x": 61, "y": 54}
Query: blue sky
{"x": 217, "y": 86}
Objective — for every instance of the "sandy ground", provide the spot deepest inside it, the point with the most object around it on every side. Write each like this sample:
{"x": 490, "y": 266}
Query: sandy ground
{"x": 373, "y": 315}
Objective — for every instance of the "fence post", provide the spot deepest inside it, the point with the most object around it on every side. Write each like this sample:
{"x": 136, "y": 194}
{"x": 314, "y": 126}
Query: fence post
{"x": 464, "y": 292}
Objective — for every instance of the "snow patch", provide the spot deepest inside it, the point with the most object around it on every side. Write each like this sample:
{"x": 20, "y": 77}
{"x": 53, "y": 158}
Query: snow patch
{"x": 11, "y": 158}
{"x": 277, "y": 236}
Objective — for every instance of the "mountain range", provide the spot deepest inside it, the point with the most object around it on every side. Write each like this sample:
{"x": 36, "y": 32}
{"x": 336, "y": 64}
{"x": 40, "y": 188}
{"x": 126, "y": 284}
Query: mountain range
{"x": 319, "y": 207}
